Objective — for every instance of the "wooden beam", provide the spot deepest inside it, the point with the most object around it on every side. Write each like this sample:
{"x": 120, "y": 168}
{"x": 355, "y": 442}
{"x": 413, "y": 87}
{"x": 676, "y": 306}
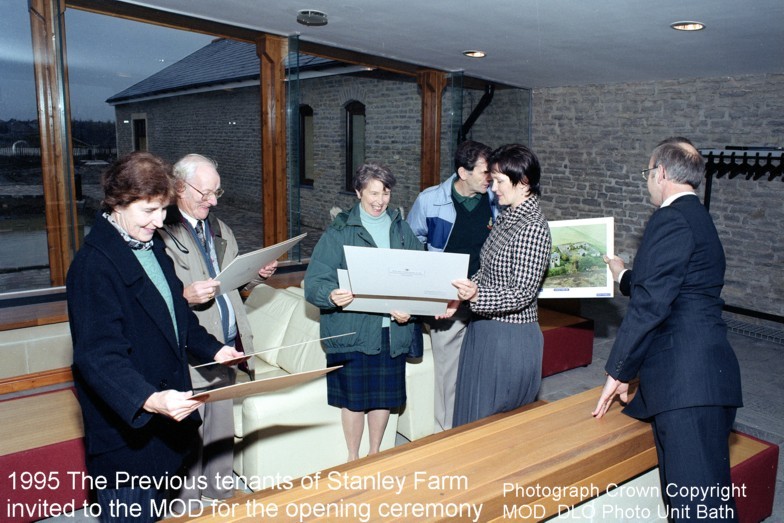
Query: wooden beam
{"x": 431, "y": 84}
{"x": 272, "y": 51}
{"x": 47, "y": 26}
{"x": 154, "y": 16}
{"x": 35, "y": 380}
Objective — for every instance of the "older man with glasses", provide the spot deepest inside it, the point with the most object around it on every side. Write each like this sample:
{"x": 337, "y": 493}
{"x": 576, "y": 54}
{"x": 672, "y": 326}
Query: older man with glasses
{"x": 673, "y": 337}
{"x": 201, "y": 245}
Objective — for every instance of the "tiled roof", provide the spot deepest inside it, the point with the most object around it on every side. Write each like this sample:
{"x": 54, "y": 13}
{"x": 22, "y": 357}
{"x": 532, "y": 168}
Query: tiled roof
{"x": 220, "y": 62}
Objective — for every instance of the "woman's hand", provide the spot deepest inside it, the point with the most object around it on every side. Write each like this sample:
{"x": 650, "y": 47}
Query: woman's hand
{"x": 229, "y": 356}
{"x": 466, "y": 289}
{"x": 200, "y": 292}
{"x": 341, "y": 297}
{"x": 171, "y": 403}
{"x": 400, "y": 317}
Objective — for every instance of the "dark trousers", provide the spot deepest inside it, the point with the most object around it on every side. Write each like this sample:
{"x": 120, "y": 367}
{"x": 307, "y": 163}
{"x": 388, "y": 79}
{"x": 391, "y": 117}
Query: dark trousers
{"x": 694, "y": 463}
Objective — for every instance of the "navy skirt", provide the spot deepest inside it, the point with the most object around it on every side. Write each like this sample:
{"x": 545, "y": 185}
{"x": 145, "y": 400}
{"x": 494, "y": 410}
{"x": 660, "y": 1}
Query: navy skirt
{"x": 500, "y": 368}
{"x": 367, "y": 381}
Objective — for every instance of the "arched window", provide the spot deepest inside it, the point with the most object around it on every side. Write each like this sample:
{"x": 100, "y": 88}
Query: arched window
{"x": 355, "y": 139}
{"x": 305, "y": 145}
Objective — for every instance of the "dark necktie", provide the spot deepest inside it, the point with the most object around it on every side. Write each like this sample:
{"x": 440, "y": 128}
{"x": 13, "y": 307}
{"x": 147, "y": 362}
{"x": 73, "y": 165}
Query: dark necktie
{"x": 212, "y": 269}
{"x": 200, "y": 234}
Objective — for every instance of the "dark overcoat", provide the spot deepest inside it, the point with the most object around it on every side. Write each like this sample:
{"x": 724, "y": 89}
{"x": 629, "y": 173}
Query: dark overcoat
{"x": 125, "y": 349}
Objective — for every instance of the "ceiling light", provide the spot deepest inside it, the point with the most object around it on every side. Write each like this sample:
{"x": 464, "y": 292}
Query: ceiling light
{"x": 473, "y": 53}
{"x": 687, "y": 26}
{"x": 312, "y": 18}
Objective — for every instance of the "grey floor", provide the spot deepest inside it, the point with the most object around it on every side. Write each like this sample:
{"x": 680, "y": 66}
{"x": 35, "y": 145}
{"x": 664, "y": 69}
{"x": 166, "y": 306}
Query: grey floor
{"x": 762, "y": 365}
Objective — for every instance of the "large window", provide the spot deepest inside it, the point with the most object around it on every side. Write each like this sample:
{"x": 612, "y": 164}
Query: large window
{"x": 355, "y": 140}
{"x": 24, "y": 259}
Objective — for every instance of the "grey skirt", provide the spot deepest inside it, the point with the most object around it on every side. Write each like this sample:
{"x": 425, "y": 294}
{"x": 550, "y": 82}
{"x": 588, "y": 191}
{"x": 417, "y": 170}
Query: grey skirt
{"x": 500, "y": 368}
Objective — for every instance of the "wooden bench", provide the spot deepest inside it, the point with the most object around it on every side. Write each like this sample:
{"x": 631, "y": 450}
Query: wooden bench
{"x": 754, "y": 465}
{"x": 510, "y": 465}
{"x": 41, "y": 455}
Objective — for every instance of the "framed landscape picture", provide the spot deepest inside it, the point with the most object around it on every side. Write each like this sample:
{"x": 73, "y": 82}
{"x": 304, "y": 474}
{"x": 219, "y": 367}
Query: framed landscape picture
{"x": 577, "y": 269}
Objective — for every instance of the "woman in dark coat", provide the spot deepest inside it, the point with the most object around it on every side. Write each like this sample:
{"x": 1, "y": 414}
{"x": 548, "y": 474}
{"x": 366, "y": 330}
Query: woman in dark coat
{"x": 131, "y": 329}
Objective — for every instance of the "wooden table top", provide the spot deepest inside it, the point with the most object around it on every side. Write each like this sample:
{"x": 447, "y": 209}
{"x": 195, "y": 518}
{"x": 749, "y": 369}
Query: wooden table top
{"x": 43, "y": 419}
{"x": 514, "y": 459}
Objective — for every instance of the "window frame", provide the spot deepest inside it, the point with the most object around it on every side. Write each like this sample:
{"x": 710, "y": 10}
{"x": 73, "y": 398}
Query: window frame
{"x": 353, "y": 109}
{"x": 305, "y": 145}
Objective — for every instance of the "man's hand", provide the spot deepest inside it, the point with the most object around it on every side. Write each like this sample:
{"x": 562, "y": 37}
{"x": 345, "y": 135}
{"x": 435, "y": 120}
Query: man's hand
{"x": 616, "y": 266}
{"x": 229, "y": 355}
{"x": 451, "y": 309}
{"x": 269, "y": 269}
{"x": 200, "y": 292}
{"x": 612, "y": 387}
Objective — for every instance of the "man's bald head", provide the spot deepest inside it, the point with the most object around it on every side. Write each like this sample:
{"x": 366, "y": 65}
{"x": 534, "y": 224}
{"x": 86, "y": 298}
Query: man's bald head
{"x": 682, "y": 162}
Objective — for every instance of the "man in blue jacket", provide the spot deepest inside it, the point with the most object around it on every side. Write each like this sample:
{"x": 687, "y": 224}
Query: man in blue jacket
{"x": 674, "y": 338}
{"x": 455, "y": 216}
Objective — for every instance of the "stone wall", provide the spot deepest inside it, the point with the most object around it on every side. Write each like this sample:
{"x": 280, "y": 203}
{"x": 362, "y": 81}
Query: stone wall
{"x": 392, "y": 138}
{"x": 223, "y": 125}
{"x": 594, "y": 140}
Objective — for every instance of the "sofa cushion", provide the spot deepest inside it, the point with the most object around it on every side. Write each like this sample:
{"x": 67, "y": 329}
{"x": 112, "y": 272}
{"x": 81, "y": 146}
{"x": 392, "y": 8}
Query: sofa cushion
{"x": 269, "y": 311}
{"x": 303, "y": 327}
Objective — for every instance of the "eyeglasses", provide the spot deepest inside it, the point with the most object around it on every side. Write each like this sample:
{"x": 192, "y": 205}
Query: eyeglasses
{"x": 205, "y": 196}
{"x": 645, "y": 172}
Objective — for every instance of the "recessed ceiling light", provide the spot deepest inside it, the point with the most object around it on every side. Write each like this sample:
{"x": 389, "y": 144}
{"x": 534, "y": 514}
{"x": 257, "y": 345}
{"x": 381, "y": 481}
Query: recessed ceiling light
{"x": 473, "y": 53}
{"x": 312, "y": 18}
{"x": 687, "y": 26}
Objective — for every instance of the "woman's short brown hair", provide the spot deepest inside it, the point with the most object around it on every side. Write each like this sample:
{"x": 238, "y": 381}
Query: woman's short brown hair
{"x": 137, "y": 176}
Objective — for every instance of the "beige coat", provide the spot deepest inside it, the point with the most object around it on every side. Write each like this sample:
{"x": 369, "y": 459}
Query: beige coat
{"x": 190, "y": 267}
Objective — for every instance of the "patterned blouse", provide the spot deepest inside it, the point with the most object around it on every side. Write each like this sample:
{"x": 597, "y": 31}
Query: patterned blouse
{"x": 513, "y": 262}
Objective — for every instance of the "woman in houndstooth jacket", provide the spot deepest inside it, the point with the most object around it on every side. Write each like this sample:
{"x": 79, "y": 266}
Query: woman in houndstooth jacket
{"x": 501, "y": 359}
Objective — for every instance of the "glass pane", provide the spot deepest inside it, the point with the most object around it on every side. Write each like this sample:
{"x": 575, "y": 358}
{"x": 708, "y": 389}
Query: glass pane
{"x": 386, "y": 129}
{"x": 451, "y": 122}
{"x": 173, "y": 93}
{"x": 505, "y": 120}
{"x": 294, "y": 136}
{"x": 24, "y": 258}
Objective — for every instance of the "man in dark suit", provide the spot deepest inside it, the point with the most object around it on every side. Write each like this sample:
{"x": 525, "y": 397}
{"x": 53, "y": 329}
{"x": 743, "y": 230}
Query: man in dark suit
{"x": 674, "y": 338}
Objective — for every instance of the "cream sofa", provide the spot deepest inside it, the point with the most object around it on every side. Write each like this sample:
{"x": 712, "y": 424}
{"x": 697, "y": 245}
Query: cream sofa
{"x": 293, "y": 432}
{"x": 35, "y": 349}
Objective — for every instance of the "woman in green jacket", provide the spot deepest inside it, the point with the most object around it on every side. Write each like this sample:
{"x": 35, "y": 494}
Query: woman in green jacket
{"x": 372, "y": 380}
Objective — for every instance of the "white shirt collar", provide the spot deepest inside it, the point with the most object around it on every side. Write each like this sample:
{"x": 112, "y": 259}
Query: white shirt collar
{"x": 193, "y": 221}
{"x": 675, "y": 196}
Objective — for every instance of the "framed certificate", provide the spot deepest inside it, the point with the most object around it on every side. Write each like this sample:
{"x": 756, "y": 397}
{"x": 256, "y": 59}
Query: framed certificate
{"x": 577, "y": 269}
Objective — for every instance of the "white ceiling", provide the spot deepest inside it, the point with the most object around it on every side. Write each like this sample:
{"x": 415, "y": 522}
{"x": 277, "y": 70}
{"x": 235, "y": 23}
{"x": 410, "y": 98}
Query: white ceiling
{"x": 532, "y": 43}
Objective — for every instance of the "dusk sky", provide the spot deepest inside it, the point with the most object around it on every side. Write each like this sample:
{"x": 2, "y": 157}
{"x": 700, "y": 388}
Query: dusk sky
{"x": 105, "y": 56}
